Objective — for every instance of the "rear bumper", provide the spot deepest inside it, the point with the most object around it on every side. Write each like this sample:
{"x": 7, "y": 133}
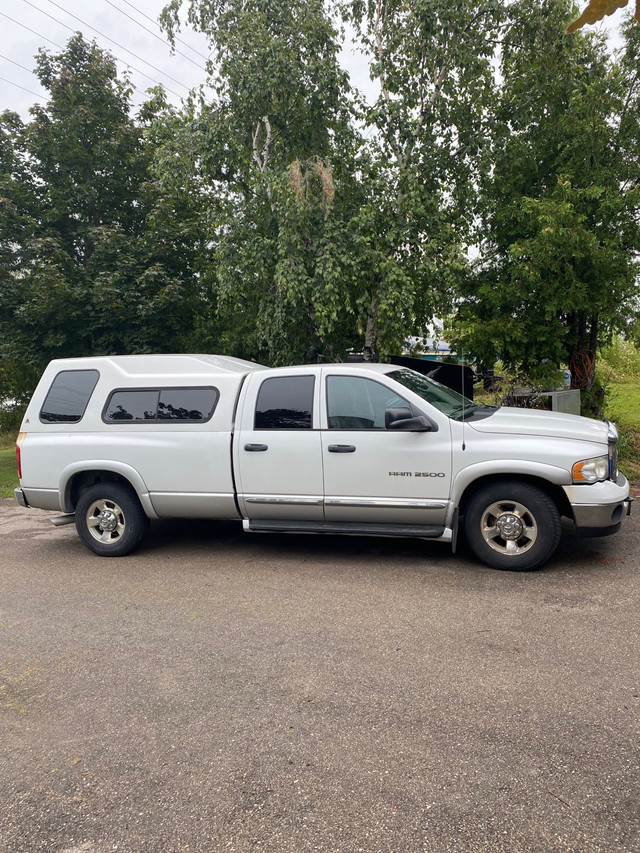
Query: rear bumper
{"x": 20, "y": 497}
{"x": 39, "y": 498}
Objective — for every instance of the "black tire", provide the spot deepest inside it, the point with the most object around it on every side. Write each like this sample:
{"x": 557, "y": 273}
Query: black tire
{"x": 110, "y": 520}
{"x": 512, "y": 526}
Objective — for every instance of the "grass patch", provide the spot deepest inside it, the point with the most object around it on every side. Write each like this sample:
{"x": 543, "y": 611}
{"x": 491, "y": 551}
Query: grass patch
{"x": 619, "y": 371}
{"x": 623, "y": 403}
{"x": 623, "y": 407}
{"x": 8, "y": 473}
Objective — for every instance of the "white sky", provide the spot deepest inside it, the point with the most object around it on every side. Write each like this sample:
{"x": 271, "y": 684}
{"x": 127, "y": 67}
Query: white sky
{"x": 30, "y": 24}
{"x": 27, "y": 25}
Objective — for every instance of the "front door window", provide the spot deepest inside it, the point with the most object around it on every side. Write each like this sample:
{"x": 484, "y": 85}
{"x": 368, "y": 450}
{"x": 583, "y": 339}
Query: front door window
{"x": 357, "y": 403}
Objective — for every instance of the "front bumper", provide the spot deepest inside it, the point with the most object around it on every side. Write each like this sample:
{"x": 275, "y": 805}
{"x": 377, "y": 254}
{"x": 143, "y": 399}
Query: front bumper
{"x": 598, "y": 508}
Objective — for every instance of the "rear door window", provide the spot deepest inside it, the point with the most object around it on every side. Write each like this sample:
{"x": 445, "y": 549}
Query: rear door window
{"x": 285, "y": 402}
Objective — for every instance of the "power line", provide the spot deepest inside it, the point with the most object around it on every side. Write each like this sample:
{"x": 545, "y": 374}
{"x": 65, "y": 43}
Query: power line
{"x": 155, "y": 35}
{"x": 125, "y": 62}
{"x": 24, "y": 89}
{"x": 24, "y": 67}
{"x": 113, "y": 41}
{"x": 40, "y": 36}
{"x": 182, "y": 41}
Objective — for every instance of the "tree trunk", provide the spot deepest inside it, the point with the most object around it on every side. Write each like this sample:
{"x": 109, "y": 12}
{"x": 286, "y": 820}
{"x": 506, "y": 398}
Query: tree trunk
{"x": 582, "y": 365}
{"x": 371, "y": 332}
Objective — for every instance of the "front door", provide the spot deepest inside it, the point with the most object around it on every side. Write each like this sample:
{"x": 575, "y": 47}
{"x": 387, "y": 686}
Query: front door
{"x": 378, "y": 475}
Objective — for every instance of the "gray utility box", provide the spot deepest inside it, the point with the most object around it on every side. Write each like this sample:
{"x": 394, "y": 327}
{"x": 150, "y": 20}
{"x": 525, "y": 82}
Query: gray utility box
{"x": 564, "y": 401}
{"x": 567, "y": 402}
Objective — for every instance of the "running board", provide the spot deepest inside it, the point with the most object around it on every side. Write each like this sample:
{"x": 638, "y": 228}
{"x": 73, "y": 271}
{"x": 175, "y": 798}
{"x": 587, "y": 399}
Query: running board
{"x": 423, "y": 531}
{"x": 61, "y": 520}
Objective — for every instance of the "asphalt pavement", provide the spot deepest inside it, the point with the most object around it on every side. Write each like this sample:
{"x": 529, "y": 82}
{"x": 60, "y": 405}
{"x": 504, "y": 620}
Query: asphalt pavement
{"x": 218, "y": 691}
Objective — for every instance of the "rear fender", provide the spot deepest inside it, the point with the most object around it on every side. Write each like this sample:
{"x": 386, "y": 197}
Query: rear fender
{"x": 100, "y": 467}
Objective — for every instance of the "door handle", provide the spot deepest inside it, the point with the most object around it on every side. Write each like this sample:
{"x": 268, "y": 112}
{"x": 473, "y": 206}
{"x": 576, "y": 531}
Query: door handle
{"x": 342, "y": 448}
{"x": 256, "y": 448}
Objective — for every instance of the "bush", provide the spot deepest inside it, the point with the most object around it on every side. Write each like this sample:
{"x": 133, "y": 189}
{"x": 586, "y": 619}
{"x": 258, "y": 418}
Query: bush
{"x": 505, "y": 387}
{"x": 619, "y": 369}
{"x": 11, "y": 414}
{"x": 17, "y": 382}
{"x": 619, "y": 361}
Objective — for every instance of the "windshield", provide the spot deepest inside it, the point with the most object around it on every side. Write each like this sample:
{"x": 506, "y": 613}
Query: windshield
{"x": 448, "y": 401}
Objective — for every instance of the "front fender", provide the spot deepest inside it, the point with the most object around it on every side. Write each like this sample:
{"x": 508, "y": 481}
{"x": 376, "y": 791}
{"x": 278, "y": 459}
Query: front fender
{"x": 512, "y": 468}
{"x": 125, "y": 471}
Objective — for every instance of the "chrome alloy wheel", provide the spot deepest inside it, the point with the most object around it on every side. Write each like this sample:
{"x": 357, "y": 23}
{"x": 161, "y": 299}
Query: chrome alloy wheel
{"x": 509, "y": 527}
{"x": 105, "y": 521}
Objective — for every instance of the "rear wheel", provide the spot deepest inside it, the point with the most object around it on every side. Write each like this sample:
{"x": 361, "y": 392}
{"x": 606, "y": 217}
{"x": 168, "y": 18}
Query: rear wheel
{"x": 110, "y": 519}
{"x": 513, "y": 526}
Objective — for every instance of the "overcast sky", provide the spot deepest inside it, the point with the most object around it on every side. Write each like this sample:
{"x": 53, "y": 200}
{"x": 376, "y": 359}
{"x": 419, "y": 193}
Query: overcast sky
{"x": 124, "y": 27}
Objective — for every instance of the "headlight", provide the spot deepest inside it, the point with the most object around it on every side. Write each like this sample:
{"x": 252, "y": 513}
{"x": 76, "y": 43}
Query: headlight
{"x": 591, "y": 470}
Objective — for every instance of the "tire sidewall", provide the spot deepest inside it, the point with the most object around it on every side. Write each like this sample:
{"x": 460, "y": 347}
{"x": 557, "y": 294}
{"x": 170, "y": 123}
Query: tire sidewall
{"x": 541, "y": 507}
{"x": 136, "y": 521}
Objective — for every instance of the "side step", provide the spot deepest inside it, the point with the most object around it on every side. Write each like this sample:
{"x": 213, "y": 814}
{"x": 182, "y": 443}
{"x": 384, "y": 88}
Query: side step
{"x": 417, "y": 531}
{"x": 61, "y": 520}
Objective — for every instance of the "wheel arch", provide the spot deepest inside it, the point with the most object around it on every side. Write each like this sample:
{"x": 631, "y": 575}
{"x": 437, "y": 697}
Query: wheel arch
{"x": 553, "y": 490}
{"x": 76, "y": 478}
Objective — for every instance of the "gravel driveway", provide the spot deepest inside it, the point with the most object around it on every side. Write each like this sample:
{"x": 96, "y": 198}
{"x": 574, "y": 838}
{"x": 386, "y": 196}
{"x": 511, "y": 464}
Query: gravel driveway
{"x": 224, "y": 692}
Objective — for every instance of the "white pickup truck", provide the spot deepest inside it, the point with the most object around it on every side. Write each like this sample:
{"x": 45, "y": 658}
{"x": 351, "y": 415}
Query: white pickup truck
{"x": 332, "y": 448}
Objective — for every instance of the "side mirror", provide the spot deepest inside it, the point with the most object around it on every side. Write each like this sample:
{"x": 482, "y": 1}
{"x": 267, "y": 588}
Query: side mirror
{"x": 400, "y": 418}
{"x": 393, "y": 415}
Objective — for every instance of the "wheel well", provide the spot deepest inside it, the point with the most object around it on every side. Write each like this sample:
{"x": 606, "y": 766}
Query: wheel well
{"x": 556, "y": 493}
{"x": 84, "y": 479}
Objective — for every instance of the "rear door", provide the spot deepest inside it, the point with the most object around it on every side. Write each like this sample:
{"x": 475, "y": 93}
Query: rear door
{"x": 277, "y": 448}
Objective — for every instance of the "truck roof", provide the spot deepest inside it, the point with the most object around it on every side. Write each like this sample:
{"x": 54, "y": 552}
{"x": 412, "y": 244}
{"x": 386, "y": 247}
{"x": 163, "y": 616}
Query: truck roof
{"x": 175, "y": 365}
{"x": 193, "y": 364}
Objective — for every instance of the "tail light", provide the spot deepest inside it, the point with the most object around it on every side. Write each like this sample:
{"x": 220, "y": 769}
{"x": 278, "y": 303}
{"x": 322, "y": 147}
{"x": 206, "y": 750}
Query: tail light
{"x": 20, "y": 439}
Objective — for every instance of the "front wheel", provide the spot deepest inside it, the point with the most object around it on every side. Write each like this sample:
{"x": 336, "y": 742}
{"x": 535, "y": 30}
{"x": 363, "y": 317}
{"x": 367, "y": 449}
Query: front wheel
{"x": 110, "y": 520}
{"x": 513, "y": 526}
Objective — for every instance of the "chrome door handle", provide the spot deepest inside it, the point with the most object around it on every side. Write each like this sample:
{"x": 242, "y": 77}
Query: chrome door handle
{"x": 342, "y": 448}
{"x": 256, "y": 448}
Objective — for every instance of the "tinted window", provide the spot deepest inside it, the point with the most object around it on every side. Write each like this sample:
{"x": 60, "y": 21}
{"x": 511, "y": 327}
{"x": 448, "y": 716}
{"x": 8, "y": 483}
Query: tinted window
{"x": 285, "y": 403}
{"x": 161, "y": 404}
{"x": 132, "y": 406}
{"x": 68, "y": 396}
{"x": 187, "y": 404}
{"x": 357, "y": 403}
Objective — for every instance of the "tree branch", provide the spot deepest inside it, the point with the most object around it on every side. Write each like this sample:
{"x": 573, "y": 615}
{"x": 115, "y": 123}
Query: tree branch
{"x": 378, "y": 28}
{"x": 261, "y": 158}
